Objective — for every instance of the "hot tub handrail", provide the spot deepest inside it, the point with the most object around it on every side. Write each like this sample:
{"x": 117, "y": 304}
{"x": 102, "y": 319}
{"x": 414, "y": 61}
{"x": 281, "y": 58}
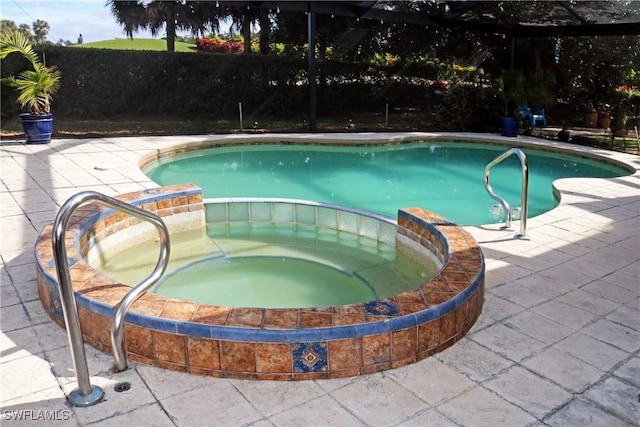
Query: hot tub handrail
{"x": 524, "y": 191}
{"x": 86, "y": 394}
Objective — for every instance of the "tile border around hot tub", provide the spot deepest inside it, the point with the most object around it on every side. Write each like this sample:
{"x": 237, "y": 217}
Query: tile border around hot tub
{"x": 447, "y": 305}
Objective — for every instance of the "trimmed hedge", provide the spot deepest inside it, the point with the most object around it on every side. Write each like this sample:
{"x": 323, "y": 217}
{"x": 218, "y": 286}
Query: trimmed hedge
{"x": 109, "y": 83}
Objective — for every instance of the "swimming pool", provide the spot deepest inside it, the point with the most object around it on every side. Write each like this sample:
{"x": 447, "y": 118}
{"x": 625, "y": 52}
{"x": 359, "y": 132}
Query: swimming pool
{"x": 445, "y": 177}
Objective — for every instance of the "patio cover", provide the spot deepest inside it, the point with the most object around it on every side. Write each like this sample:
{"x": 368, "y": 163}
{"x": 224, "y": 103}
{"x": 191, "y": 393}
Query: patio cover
{"x": 531, "y": 19}
{"x": 534, "y": 19}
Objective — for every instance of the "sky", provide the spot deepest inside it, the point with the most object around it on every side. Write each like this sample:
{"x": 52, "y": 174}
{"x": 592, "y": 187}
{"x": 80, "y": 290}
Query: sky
{"x": 68, "y": 19}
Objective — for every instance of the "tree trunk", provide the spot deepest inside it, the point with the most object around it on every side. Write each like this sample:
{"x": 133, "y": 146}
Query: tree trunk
{"x": 246, "y": 33}
{"x": 265, "y": 31}
{"x": 171, "y": 34}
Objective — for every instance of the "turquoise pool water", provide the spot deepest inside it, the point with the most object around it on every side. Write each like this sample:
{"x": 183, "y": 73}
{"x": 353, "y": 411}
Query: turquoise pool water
{"x": 446, "y": 178}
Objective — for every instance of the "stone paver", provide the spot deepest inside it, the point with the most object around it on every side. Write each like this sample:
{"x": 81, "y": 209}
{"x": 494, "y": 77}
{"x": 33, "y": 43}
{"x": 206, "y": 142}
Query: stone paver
{"x": 557, "y": 343}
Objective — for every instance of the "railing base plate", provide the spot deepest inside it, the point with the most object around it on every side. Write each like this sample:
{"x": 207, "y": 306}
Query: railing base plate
{"x": 77, "y": 399}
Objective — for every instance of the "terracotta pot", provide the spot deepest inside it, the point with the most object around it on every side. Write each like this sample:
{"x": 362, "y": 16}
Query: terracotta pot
{"x": 592, "y": 119}
{"x": 620, "y": 132}
{"x": 604, "y": 122}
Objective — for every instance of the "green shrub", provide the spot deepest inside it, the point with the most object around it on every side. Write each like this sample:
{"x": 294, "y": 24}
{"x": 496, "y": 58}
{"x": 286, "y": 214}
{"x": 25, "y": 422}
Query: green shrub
{"x": 469, "y": 107}
{"x": 114, "y": 83}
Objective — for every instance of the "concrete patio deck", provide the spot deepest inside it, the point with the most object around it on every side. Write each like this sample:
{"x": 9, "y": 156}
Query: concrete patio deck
{"x": 557, "y": 343}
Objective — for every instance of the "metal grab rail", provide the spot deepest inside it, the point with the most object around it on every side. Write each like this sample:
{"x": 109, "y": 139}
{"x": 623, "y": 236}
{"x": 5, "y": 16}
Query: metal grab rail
{"x": 524, "y": 192}
{"x": 86, "y": 394}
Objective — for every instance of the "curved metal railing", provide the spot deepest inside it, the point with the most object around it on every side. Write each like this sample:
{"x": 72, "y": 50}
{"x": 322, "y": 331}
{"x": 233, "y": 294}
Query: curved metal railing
{"x": 524, "y": 192}
{"x": 86, "y": 394}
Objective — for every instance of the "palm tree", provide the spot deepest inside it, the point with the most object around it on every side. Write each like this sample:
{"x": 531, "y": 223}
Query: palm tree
{"x": 7, "y": 25}
{"x": 40, "y": 30}
{"x": 243, "y": 17}
{"x": 25, "y": 29}
{"x": 196, "y": 16}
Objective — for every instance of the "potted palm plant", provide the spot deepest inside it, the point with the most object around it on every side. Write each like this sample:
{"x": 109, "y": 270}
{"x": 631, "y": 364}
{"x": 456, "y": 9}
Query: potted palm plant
{"x": 35, "y": 87}
{"x": 512, "y": 93}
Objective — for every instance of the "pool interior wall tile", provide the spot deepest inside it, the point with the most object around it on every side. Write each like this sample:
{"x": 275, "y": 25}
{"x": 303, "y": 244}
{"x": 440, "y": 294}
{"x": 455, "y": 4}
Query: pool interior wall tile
{"x": 347, "y": 221}
{"x": 239, "y": 211}
{"x": 327, "y": 218}
{"x": 368, "y": 227}
{"x": 260, "y": 211}
{"x": 305, "y": 214}
{"x": 283, "y": 212}
{"x": 216, "y": 212}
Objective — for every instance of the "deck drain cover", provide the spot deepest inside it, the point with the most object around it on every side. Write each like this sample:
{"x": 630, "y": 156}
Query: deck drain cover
{"x": 120, "y": 387}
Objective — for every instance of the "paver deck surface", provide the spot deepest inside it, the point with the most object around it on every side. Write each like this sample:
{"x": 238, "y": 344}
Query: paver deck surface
{"x": 557, "y": 343}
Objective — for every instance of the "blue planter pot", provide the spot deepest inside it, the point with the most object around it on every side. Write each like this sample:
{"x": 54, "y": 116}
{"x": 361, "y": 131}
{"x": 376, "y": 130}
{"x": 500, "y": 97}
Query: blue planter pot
{"x": 510, "y": 126}
{"x": 37, "y": 127}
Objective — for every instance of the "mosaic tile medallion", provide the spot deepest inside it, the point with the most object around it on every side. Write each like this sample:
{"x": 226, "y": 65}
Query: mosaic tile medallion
{"x": 309, "y": 357}
{"x": 381, "y": 308}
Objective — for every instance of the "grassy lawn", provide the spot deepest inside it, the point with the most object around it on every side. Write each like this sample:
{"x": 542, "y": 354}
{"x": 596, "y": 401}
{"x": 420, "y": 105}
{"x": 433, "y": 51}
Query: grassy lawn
{"x": 136, "y": 44}
{"x": 127, "y": 125}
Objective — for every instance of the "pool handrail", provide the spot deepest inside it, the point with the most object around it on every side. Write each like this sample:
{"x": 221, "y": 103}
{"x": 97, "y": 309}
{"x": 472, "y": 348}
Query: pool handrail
{"x": 524, "y": 192}
{"x": 86, "y": 394}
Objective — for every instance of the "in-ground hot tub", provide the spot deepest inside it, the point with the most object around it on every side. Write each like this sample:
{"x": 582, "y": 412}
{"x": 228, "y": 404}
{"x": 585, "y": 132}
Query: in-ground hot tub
{"x": 271, "y": 343}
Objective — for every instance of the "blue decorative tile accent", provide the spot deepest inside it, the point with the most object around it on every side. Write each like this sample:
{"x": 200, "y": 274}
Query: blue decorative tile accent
{"x": 339, "y": 332}
{"x": 381, "y": 308}
{"x": 402, "y": 322}
{"x": 157, "y": 323}
{"x": 102, "y": 309}
{"x": 448, "y": 306}
{"x": 55, "y": 305}
{"x": 71, "y": 261}
{"x": 309, "y": 357}
{"x": 427, "y": 315}
{"x": 372, "y": 328}
{"x": 230, "y": 333}
{"x": 194, "y": 329}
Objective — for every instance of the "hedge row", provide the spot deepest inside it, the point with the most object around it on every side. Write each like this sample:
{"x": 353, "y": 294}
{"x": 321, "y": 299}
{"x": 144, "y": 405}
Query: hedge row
{"x": 107, "y": 83}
